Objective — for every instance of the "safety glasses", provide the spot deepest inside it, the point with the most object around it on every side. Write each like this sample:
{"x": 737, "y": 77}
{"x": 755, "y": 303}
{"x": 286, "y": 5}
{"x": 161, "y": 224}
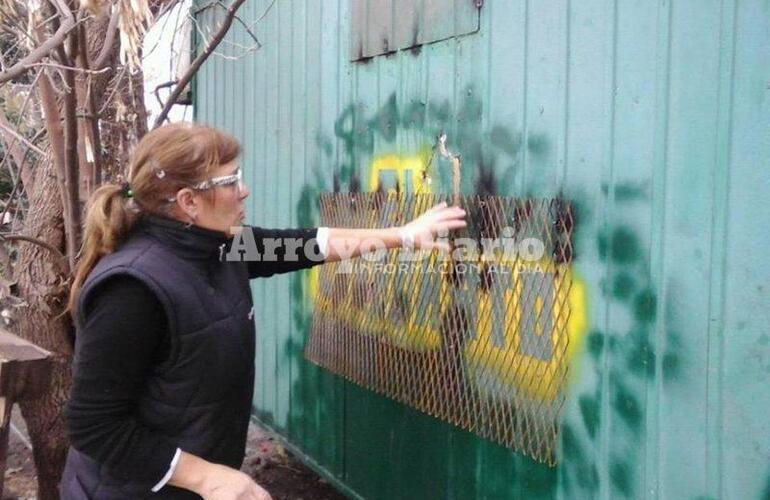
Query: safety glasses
{"x": 222, "y": 180}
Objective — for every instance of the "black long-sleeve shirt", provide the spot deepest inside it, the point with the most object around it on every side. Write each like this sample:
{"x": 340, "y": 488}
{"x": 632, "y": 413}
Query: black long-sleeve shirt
{"x": 123, "y": 336}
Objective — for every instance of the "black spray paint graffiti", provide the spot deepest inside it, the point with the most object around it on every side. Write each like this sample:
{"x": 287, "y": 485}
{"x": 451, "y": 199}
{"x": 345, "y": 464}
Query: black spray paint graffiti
{"x": 495, "y": 155}
{"x": 357, "y": 131}
{"x": 626, "y": 361}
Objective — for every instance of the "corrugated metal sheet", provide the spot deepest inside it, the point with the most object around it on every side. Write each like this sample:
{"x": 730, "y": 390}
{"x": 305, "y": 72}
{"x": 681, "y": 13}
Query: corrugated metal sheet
{"x": 385, "y": 26}
{"x": 652, "y": 118}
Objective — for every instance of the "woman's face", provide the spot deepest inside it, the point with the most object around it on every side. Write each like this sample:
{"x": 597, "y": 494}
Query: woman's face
{"x": 220, "y": 207}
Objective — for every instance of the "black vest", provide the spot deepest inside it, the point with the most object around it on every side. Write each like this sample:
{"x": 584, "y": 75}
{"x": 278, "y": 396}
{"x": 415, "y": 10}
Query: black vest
{"x": 200, "y": 396}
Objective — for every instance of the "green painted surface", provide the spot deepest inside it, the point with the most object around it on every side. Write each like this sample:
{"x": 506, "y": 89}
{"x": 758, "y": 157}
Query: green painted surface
{"x": 652, "y": 118}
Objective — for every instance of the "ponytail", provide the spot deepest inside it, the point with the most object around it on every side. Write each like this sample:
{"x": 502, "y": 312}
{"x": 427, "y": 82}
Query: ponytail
{"x": 109, "y": 218}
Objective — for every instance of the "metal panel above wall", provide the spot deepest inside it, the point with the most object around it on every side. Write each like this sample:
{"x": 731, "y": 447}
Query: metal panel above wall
{"x": 385, "y": 26}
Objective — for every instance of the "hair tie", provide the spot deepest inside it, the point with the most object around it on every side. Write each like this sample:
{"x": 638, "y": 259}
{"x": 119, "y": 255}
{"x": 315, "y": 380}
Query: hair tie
{"x": 126, "y": 190}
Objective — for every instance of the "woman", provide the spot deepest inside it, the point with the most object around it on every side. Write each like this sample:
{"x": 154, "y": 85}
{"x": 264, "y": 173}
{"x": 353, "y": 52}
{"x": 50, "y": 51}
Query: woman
{"x": 164, "y": 351}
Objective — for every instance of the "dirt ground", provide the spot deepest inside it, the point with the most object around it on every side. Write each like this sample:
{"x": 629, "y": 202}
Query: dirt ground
{"x": 267, "y": 461}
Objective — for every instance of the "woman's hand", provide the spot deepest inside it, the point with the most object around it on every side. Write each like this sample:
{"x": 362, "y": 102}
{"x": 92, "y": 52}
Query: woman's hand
{"x": 421, "y": 232}
{"x": 224, "y": 483}
{"x": 214, "y": 481}
{"x": 347, "y": 243}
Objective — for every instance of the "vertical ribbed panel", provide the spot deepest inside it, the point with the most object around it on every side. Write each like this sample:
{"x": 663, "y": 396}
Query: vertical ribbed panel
{"x": 651, "y": 118}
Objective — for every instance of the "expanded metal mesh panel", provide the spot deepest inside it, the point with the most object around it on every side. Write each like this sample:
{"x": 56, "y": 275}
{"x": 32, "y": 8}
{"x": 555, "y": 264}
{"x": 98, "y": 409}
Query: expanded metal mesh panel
{"x": 477, "y": 337}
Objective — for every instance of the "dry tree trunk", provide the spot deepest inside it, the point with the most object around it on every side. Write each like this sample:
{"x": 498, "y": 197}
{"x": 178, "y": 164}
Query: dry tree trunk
{"x": 44, "y": 285}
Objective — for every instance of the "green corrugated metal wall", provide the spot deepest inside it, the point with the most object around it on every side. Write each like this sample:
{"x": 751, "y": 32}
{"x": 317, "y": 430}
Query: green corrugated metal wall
{"x": 652, "y": 117}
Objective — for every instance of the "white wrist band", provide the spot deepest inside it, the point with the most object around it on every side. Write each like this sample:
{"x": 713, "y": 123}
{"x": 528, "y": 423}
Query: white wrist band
{"x": 407, "y": 238}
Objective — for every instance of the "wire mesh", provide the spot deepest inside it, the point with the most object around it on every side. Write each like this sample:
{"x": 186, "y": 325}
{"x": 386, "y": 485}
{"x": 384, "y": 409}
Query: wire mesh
{"x": 477, "y": 336}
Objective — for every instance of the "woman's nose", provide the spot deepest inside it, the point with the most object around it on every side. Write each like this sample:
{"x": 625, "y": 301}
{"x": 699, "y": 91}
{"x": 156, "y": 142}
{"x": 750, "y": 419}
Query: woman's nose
{"x": 243, "y": 190}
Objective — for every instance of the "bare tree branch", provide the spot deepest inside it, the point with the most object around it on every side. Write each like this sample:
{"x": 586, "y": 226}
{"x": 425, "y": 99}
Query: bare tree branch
{"x": 71, "y": 166}
{"x": 147, "y": 53}
{"x": 19, "y": 37}
{"x": 196, "y": 64}
{"x": 269, "y": 7}
{"x": 12, "y": 197}
{"x": 53, "y": 124}
{"x": 164, "y": 85}
{"x": 247, "y": 28}
{"x": 71, "y": 174}
{"x": 70, "y": 68}
{"x": 115, "y": 88}
{"x": 74, "y": 48}
{"x": 166, "y": 8}
{"x": 112, "y": 31}
{"x": 204, "y": 7}
{"x": 93, "y": 120}
{"x": 6, "y": 127}
{"x": 11, "y": 146}
{"x": 61, "y": 259}
{"x": 246, "y": 50}
{"x": 14, "y": 29}
{"x": 23, "y": 177}
{"x": 11, "y": 139}
{"x": 67, "y": 25}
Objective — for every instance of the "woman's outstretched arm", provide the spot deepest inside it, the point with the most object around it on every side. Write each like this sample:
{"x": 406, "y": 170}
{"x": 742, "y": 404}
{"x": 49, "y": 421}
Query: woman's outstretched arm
{"x": 423, "y": 233}
{"x": 276, "y": 251}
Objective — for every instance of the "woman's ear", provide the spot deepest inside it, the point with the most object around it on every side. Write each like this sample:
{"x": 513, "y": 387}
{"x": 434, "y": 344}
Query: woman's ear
{"x": 188, "y": 202}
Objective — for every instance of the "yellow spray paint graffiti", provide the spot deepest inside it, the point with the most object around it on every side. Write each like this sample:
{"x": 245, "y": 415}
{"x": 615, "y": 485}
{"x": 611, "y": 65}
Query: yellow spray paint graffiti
{"x": 411, "y": 172}
{"x": 398, "y": 306}
{"x": 518, "y": 332}
{"x": 520, "y": 329}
